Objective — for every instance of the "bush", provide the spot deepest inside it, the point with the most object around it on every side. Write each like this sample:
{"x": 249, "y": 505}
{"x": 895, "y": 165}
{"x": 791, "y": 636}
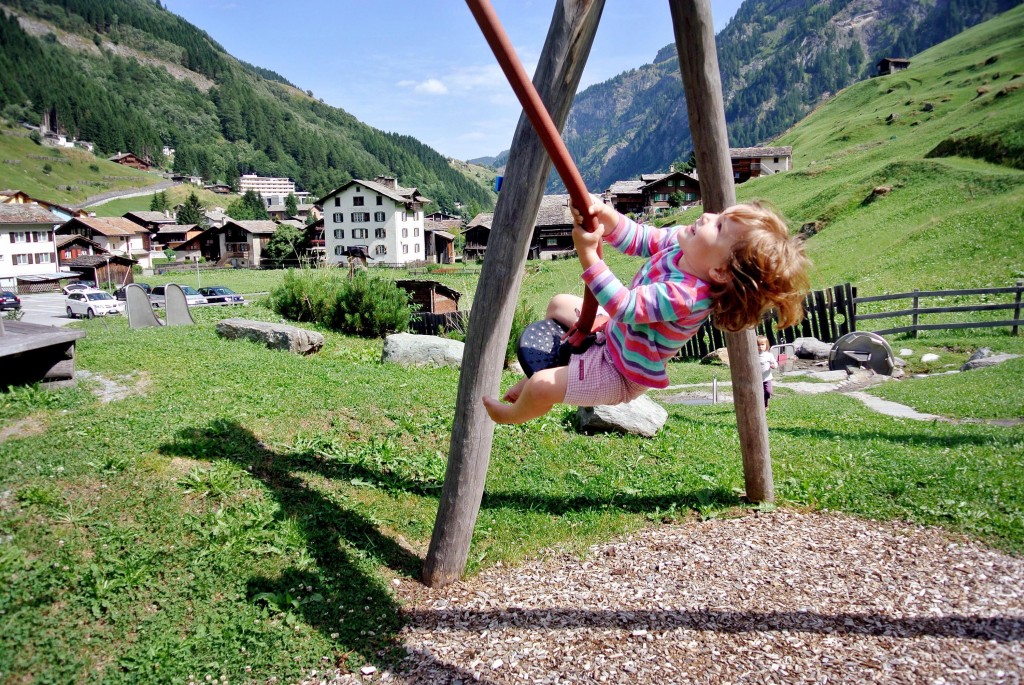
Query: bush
{"x": 362, "y": 305}
{"x": 524, "y": 316}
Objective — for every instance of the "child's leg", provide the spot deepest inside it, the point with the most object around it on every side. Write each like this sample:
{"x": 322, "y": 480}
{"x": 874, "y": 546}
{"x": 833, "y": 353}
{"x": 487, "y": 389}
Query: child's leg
{"x": 538, "y": 395}
{"x": 564, "y": 309}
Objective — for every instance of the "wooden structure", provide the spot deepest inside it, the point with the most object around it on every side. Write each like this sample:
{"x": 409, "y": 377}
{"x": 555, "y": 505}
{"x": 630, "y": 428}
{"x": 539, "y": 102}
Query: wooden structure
{"x": 568, "y": 43}
{"x": 33, "y": 353}
{"x": 130, "y": 159}
{"x": 431, "y": 297}
{"x": 102, "y": 269}
{"x": 890, "y": 65}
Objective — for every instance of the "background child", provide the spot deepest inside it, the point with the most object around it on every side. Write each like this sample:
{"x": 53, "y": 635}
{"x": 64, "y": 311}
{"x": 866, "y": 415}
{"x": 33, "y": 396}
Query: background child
{"x": 735, "y": 265}
{"x": 767, "y": 361}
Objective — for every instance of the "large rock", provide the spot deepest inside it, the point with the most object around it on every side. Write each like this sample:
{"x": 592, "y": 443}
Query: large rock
{"x": 643, "y": 416}
{"x": 985, "y": 357}
{"x": 276, "y": 336}
{"x": 421, "y": 350}
{"x": 811, "y": 348}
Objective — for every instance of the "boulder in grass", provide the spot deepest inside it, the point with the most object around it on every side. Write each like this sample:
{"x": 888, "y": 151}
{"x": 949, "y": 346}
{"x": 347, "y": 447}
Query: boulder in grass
{"x": 643, "y": 416}
{"x": 811, "y": 348}
{"x": 407, "y": 349}
{"x": 276, "y": 336}
{"x": 985, "y": 357}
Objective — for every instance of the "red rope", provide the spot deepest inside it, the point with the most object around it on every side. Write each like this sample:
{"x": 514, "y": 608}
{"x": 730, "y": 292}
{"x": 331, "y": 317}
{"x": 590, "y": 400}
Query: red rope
{"x": 549, "y": 136}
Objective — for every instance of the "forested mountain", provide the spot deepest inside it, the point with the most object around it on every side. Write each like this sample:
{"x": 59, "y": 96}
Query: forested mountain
{"x": 128, "y": 75}
{"x": 778, "y": 59}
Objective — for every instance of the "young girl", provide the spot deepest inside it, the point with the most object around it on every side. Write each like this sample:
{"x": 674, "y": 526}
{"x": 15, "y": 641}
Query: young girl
{"x": 767, "y": 361}
{"x": 736, "y": 265}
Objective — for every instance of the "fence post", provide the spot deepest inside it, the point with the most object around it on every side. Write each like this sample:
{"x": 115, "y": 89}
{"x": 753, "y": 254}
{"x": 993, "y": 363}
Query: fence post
{"x": 914, "y": 322}
{"x": 1016, "y": 306}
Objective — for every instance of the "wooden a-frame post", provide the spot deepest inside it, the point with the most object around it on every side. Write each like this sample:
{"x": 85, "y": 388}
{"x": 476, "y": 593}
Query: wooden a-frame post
{"x": 557, "y": 77}
{"x": 698, "y": 62}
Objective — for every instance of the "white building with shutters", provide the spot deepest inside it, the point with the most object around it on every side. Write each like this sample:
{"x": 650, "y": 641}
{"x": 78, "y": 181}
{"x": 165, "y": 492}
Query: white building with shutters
{"x": 379, "y": 216}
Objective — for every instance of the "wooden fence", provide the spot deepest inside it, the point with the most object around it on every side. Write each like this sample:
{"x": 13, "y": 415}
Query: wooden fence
{"x": 915, "y": 311}
{"x": 836, "y": 311}
{"x": 828, "y": 315}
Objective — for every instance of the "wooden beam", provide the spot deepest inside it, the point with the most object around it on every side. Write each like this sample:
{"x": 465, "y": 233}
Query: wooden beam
{"x": 557, "y": 77}
{"x": 698, "y": 63}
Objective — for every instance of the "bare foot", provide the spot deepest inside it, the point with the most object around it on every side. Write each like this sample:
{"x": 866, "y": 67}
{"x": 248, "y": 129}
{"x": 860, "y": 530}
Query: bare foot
{"x": 496, "y": 410}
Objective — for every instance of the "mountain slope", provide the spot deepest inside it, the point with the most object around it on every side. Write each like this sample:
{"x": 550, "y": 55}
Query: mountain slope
{"x": 891, "y": 208}
{"x": 778, "y": 59}
{"x": 129, "y": 75}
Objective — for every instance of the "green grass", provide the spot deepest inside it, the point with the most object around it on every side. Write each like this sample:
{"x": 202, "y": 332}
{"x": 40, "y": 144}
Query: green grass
{"x": 175, "y": 195}
{"x": 74, "y": 175}
{"x": 248, "y": 508}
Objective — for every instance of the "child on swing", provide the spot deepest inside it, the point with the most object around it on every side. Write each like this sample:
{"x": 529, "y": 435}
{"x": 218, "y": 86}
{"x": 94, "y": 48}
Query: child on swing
{"x": 736, "y": 265}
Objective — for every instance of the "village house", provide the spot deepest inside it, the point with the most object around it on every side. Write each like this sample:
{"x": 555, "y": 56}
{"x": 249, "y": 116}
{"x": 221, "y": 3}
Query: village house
{"x": 74, "y": 246}
{"x": 149, "y": 220}
{"x": 440, "y": 238}
{"x": 658, "y": 192}
{"x": 116, "y": 235}
{"x": 890, "y": 65}
{"x": 752, "y": 162}
{"x": 236, "y": 243}
{"x": 27, "y": 248}
{"x": 627, "y": 197}
{"x": 18, "y": 197}
{"x": 130, "y": 159}
{"x": 173, "y": 235}
{"x": 379, "y": 216}
{"x": 552, "y": 231}
{"x": 106, "y": 270}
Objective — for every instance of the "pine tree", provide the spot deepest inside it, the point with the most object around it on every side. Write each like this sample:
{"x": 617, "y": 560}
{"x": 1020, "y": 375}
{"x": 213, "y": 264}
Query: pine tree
{"x": 191, "y": 212}
{"x": 291, "y": 205}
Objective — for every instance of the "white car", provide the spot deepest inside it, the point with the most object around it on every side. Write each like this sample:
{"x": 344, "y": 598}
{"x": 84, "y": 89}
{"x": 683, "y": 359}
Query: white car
{"x": 75, "y": 287}
{"x": 192, "y": 296}
{"x": 92, "y": 303}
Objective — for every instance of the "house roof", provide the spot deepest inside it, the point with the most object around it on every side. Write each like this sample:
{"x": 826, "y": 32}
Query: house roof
{"x": 177, "y": 228}
{"x": 444, "y": 234}
{"x": 122, "y": 155}
{"x": 445, "y": 225}
{"x": 257, "y": 226}
{"x": 554, "y": 211}
{"x": 94, "y": 260}
{"x": 743, "y": 152}
{"x": 680, "y": 174}
{"x": 894, "y": 60}
{"x": 481, "y": 220}
{"x": 63, "y": 240}
{"x": 626, "y": 188}
{"x": 151, "y": 217}
{"x": 398, "y": 193}
{"x": 109, "y": 225}
{"x": 414, "y": 285}
{"x": 26, "y": 214}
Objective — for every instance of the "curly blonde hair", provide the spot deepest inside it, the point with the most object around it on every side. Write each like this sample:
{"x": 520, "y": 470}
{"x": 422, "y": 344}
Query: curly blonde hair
{"x": 766, "y": 270}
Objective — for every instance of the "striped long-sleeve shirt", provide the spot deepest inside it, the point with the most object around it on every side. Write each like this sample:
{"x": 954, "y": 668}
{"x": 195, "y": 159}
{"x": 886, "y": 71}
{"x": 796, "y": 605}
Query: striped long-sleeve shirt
{"x": 661, "y": 309}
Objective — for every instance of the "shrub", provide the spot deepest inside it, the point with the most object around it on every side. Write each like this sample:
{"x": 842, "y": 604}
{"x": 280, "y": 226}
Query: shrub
{"x": 524, "y": 316}
{"x": 361, "y": 305}
{"x": 47, "y": 168}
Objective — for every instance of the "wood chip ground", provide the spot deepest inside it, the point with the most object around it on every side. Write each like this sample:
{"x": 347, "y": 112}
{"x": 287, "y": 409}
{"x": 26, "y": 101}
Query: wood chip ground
{"x": 783, "y": 597}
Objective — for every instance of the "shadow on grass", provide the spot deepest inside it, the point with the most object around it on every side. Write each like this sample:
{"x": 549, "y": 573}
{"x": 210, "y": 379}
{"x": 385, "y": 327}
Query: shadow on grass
{"x": 355, "y": 609}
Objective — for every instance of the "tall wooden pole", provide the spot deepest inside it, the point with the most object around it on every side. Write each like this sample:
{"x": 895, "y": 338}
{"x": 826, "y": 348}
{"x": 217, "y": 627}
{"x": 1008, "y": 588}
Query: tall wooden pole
{"x": 698, "y": 63}
{"x": 557, "y": 77}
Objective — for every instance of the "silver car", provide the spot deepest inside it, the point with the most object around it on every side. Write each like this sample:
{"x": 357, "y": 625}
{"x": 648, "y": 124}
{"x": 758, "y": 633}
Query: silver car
{"x": 92, "y": 303}
{"x": 159, "y": 298}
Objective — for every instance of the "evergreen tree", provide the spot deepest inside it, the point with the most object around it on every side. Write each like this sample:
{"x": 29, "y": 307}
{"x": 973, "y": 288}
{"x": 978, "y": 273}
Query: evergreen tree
{"x": 291, "y": 205}
{"x": 159, "y": 203}
{"x": 248, "y": 207}
{"x": 191, "y": 212}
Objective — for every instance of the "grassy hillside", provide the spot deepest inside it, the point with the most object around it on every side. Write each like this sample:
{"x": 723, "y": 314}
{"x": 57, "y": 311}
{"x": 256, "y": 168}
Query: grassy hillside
{"x": 947, "y": 221}
{"x": 175, "y": 196}
{"x": 73, "y": 175}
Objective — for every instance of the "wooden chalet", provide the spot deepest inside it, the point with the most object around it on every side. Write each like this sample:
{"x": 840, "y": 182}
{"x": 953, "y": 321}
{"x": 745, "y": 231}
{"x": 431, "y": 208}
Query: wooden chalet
{"x": 478, "y": 231}
{"x": 431, "y": 297}
{"x": 236, "y": 243}
{"x": 173, "y": 235}
{"x": 627, "y": 197}
{"x": 114, "y": 269}
{"x": 552, "y": 231}
{"x": 890, "y": 65}
{"x": 752, "y": 162}
{"x": 132, "y": 160}
{"x": 439, "y": 236}
{"x": 658, "y": 191}
{"x": 151, "y": 221}
{"x": 114, "y": 234}
{"x": 75, "y": 246}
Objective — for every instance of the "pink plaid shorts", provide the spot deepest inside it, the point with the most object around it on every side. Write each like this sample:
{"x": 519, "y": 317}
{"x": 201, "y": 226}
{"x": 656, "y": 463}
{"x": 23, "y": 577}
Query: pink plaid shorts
{"x": 594, "y": 380}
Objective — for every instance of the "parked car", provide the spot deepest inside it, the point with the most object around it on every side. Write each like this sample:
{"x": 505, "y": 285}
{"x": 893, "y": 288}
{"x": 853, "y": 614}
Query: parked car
{"x": 9, "y": 300}
{"x": 120, "y": 292}
{"x": 76, "y": 286}
{"x": 192, "y": 296}
{"x": 92, "y": 303}
{"x": 218, "y": 294}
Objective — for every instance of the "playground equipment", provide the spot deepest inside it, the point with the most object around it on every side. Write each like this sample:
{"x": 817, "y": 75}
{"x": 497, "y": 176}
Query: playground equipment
{"x": 566, "y": 47}
{"x": 140, "y": 309}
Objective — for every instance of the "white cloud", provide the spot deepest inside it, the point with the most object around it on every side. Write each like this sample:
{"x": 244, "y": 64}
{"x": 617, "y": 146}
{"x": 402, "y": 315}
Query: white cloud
{"x": 431, "y": 86}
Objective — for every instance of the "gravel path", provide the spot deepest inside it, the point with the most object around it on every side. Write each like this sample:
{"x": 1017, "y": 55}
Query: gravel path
{"x": 784, "y": 597}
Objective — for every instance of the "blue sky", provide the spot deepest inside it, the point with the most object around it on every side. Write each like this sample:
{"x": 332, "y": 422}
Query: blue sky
{"x": 421, "y": 67}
